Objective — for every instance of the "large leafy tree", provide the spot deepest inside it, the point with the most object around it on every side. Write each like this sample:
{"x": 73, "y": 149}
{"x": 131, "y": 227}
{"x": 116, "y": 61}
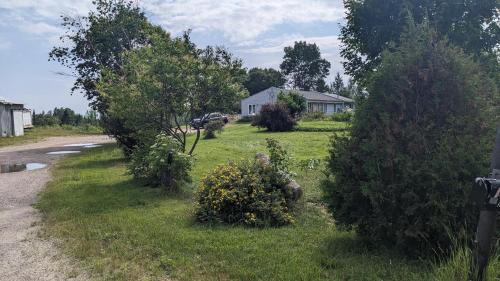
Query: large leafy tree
{"x": 169, "y": 82}
{"x": 402, "y": 176}
{"x": 98, "y": 41}
{"x": 373, "y": 24}
{"x": 304, "y": 67}
{"x": 259, "y": 79}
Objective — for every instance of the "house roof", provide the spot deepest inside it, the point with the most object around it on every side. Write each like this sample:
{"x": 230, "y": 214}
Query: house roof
{"x": 316, "y": 96}
{"x": 5, "y": 101}
{"x": 341, "y": 98}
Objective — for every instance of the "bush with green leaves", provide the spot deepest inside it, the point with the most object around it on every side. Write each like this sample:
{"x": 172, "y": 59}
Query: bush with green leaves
{"x": 295, "y": 102}
{"x": 313, "y": 116}
{"x": 402, "y": 177}
{"x": 343, "y": 116}
{"x": 254, "y": 193}
{"x": 161, "y": 164}
{"x": 275, "y": 118}
{"x": 212, "y": 127}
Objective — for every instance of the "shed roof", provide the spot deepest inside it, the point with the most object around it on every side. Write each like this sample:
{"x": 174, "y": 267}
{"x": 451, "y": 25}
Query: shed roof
{"x": 5, "y": 101}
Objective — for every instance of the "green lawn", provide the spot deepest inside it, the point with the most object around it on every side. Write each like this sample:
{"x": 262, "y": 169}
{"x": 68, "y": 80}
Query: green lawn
{"x": 39, "y": 133}
{"x": 123, "y": 231}
{"x": 321, "y": 125}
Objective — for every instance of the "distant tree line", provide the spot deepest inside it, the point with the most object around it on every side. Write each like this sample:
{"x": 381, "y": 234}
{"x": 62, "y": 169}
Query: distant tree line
{"x": 65, "y": 116}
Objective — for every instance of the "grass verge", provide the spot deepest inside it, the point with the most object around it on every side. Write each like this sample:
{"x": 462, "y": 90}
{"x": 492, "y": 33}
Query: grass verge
{"x": 39, "y": 133}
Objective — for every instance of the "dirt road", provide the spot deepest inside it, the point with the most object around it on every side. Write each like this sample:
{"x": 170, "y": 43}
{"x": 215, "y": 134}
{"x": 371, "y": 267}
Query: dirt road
{"x": 23, "y": 255}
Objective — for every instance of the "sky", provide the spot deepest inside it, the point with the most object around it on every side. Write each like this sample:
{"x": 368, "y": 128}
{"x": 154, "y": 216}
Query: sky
{"x": 255, "y": 31}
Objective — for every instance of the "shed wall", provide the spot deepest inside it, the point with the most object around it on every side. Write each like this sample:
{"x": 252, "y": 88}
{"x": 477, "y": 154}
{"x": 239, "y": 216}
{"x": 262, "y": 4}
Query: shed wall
{"x": 7, "y": 121}
{"x": 18, "y": 126}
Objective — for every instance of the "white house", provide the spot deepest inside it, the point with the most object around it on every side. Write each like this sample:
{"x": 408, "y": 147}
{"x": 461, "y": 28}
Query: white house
{"x": 316, "y": 102}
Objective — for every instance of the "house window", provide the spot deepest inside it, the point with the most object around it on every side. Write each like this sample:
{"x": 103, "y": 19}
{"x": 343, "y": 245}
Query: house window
{"x": 251, "y": 109}
{"x": 317, "y": 107}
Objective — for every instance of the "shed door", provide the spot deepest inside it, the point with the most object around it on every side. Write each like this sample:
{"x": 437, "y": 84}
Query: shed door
{"x": 18, "y": 122}
{"x": 27, "y": 119}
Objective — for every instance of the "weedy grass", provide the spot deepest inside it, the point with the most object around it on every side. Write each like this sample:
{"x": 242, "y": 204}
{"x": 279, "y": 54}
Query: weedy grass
{"x": 39, "y": 133}
{"x": 123, "y": 231}
{"x": 321, "y": 126}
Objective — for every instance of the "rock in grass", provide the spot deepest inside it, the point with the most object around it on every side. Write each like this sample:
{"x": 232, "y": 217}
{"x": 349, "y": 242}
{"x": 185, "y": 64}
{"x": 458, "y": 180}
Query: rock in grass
{"x": 292, "y": 189}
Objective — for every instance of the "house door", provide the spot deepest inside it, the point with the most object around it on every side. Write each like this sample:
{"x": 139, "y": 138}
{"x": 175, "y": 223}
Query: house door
{"x": 18, "y": 122}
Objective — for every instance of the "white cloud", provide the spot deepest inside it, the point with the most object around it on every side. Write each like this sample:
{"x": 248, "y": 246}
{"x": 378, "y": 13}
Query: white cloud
{"x": 241, "y": 20}
{"x": 40, "y": 28}
{"x": 245, "y": 25}
{"x": 277, "y": 45}
{"x": 50, "y": 9}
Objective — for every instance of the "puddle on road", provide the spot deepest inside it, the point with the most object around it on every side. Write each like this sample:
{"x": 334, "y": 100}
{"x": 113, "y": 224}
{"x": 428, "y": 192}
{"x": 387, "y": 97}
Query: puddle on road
{"x": 62, "y": 152}
{"x": 13, "y": 168}
{"x": 80, "y": 144}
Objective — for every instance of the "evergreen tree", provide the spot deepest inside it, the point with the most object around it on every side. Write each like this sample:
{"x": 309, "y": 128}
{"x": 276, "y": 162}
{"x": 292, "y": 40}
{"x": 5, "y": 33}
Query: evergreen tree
{"x": 403, "y": 175}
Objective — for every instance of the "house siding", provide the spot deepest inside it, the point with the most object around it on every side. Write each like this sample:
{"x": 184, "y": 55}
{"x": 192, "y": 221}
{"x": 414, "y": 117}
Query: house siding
{"x": 332, "y": 103}
{"x": 267, "y": 96}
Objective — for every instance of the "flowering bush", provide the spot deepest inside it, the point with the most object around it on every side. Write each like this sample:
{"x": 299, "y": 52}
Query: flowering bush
{"x": 245, "y": 193}
{"x": 162, "y": 164}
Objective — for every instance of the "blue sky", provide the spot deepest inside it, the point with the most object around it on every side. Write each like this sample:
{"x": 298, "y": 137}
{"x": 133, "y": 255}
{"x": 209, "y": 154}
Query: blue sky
{"x": 256, "y": 31}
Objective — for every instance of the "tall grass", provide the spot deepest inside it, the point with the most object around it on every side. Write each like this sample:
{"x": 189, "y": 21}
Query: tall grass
{"x": 458, "y": 265}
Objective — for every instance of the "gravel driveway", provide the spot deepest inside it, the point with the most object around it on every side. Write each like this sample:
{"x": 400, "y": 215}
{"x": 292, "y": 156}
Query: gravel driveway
{"x": 23, "y": 255}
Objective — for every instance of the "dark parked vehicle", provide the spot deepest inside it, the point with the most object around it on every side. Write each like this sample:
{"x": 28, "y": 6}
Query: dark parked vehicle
{"x": 200, "y": 122}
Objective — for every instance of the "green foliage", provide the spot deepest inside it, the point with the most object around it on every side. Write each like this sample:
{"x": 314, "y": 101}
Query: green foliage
{"x": 313, "y": 116}
{"x": 295, "y": 102}
{"x": 351, "y": 91}
{"x": 212, "y": 127}
{"x": 97, "y": 212}
{"x": 65, "y": 116}
{"x": 373, "y": 24}
{"x": 309, "y": 164}
{"x": 304, "y": 68}
{"x": 343, "y": 116}
{"x": 278, "y": 156}
{"x": 275, "y": 118}
{"x": 403, "y": 176}
{"x": 169, "y": 83}
{"x": 98, "y": 42}
{"x": 259, "y": 79}
{"x": 251, "y": 193}
{"x": 161, "y": 164}
{"x": 337, "y": 87}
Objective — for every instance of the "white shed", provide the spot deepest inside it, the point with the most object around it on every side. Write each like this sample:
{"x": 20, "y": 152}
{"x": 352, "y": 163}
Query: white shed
{"x": 27, "y": 118}
{"x": 11, "y": 118}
